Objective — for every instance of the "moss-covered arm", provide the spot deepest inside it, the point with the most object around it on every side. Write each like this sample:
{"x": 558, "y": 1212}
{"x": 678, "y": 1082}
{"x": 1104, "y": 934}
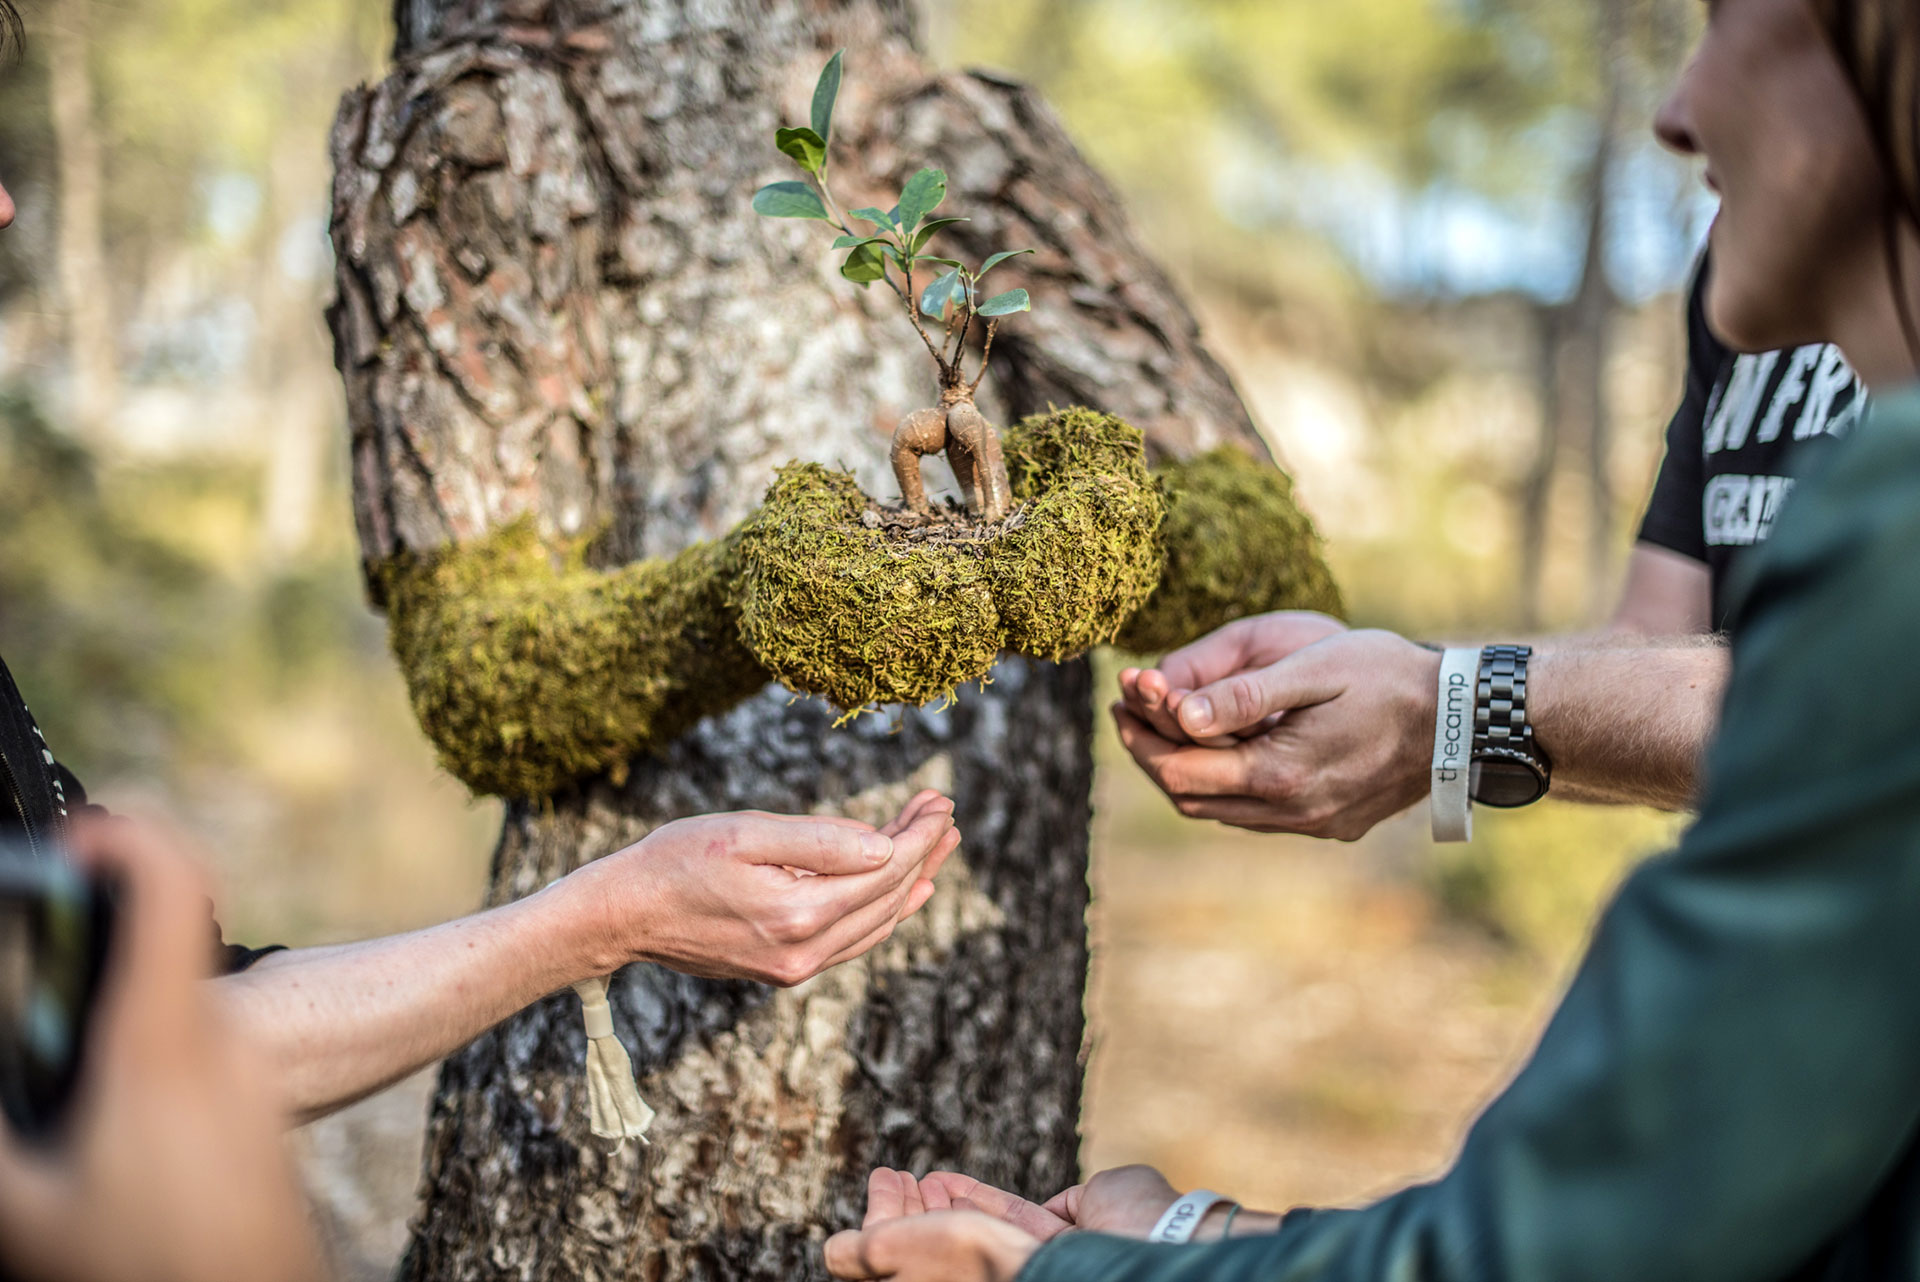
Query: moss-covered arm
{"x": 530, "y": 672}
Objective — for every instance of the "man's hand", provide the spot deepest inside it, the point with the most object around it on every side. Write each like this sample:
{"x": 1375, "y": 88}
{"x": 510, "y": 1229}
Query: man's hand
{"x": 170, "y": 1167}
{"x": 938, "y": 1246}
{"x": 1154, "y": 695}
{"x": 772, "y": 898}
{"x": 1341, "y": 738}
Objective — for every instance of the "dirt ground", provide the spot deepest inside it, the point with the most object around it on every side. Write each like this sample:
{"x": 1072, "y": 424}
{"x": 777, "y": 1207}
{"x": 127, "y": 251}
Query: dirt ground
{"x": 1291, "y": 1021}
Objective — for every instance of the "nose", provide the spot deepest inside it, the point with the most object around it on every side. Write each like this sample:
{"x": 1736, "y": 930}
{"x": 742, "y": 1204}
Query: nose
{"x": 1673, "y": 125}
{"x": 6, "y": 209}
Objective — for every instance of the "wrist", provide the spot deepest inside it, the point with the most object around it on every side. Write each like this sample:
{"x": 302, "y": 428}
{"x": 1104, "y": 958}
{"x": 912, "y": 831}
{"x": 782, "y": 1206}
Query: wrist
{"x": 594, "y": 918}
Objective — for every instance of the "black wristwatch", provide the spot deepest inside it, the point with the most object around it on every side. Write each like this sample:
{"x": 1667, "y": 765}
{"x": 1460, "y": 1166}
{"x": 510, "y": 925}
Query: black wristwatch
{"x": 1508, "y": 767}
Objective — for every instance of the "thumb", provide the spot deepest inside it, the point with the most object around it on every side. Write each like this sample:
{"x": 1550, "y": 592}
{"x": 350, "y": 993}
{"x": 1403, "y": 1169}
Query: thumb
{"x": 1245, "y": 699}
{"x": 813, "y": 845}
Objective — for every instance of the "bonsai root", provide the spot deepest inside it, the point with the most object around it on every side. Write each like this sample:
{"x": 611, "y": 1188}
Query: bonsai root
{"x": 972, "y": 447}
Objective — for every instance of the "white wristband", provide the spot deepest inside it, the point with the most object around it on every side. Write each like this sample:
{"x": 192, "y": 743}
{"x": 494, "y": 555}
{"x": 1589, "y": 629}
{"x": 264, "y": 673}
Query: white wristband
{"x": 1183, "y": 1218}
{"x": 1453, "y": 746}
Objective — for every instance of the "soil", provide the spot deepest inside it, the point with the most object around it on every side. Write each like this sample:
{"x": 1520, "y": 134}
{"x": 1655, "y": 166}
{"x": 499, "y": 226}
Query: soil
{"x": 948, "y": 525}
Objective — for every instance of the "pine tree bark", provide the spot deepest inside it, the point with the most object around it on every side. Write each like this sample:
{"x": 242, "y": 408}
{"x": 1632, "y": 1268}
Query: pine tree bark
{"x": 554, "y": 302}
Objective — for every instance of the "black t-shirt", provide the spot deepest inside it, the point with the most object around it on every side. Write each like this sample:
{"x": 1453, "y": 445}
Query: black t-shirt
{"x": 1747, "y": 426}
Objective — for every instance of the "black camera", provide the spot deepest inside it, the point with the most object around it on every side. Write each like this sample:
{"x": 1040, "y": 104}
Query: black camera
{"x": 55, "y": 926}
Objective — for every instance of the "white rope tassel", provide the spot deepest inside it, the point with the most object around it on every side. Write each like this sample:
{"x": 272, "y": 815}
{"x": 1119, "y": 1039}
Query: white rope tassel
{"x": 618, "y": 1112}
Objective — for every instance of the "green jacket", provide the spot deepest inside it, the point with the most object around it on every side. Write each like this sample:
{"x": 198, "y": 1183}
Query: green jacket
{"x": 1731, "y": 1087}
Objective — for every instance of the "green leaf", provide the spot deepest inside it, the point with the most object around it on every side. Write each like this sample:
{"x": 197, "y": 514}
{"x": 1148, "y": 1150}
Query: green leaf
{"x": 848, "y": 242}
{"x": 997, "y": 259}
{"x": 808, "y": 149}
{"x": 921, "y": 237}
{"x": 1014, "y": 300}
{"x": 875, "y": 216}
{"x": 789, "y": 200}
{"x": 946, "y": 288}
{"x": 899, "y": 259}
{"x": 865, "y": 265}
{"x": 921, "y": 196}
{"x": 825, "y": 91}
{"x": 944, "y": 262}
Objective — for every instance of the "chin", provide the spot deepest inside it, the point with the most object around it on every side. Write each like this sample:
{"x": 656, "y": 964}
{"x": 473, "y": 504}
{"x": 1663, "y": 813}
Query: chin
{"x": 1748, "y": 317}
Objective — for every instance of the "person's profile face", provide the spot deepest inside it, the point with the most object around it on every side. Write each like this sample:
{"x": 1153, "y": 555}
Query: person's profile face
{"x": 1803, "y": 197}
{"x": 6, "y": 208}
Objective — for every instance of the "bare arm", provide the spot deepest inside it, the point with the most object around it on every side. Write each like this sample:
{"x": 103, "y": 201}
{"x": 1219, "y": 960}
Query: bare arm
{"x": 341, "y": 1023}
{"x": 749, "y": 896}
{"x": 1285, "y": 723}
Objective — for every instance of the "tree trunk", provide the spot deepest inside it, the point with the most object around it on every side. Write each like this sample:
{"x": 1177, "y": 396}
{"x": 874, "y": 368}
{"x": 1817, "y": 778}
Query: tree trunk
{"x": 1576, "y": 345}
{"x": 85, "y": 287}
{"x": 556, "y": 303}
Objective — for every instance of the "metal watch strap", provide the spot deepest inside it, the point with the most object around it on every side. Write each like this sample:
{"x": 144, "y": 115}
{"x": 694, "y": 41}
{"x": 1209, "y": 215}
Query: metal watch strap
{"x": 1500, "y": 701}
{"x": 1503, "y": 739}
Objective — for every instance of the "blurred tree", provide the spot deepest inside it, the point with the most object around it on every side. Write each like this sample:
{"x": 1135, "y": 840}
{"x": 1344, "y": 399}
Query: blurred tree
{"x": 556, "y": 303}
{"x": 85, "y": 286}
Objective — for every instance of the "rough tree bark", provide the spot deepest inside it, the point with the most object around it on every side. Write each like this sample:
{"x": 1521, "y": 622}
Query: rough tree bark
{"x": 554, "y": 301}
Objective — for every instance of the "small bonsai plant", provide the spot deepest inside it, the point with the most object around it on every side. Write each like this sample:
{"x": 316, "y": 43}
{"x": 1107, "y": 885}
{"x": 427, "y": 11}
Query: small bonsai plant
{"x": 898, "y": 242}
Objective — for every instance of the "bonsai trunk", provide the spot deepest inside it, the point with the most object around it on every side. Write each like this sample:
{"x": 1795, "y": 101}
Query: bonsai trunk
{"x": 555, "y": 303}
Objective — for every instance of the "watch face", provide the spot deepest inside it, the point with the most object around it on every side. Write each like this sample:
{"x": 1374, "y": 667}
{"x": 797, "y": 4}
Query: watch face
{"x": 1505, "y": 782}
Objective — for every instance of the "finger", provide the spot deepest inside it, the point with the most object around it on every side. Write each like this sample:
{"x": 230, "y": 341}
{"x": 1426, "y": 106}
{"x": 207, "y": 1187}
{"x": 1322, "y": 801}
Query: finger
{"x": 963, "y": 1192}
{"x": 1246, "y": 698}
{"x": 916, "y": 1200}
{"x": 1183, "y": 771}
{"x": 160, "y": 950}
{"x": 941, "y": 853}
{"x": 925, "y": 799}
{"x": 1245, "y": 812}
{"x": 846, "y": 1254}
{"x": 845, "y": 894}
{"x": 1066, "y": 1203}
{"x": 1171, "y": 713}
{"x": 1254, "y": 642}
{"x": 862, "y": 932}
{"x": 886, "y": 1199}
{"x": 824, "y": 846}
{"x": 1158, "y": 700}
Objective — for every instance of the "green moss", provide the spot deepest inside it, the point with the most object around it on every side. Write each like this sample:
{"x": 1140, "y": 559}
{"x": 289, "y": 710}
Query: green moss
{"x": 530, "y": 671}
{"x": 1085, "y": 551}
{"x": 839, "y": 610}
{"x": 1237, "y": 544}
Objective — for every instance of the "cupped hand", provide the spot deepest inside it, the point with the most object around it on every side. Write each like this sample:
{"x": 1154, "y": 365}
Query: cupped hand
{"x": 771, "y": 898}
{"x": 1126, "y": 1201}
{"x": 1342, "y": 738}
{"x": 1154, "y": 695}
{"x": 893, "y": 1195}
{"x": 938, "y": 1246}
{"x": 169, "y": 1166}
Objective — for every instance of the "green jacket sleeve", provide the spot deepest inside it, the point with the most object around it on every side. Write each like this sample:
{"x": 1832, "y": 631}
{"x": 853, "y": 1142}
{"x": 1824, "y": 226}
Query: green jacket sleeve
{"x": 1731, "y": 1085}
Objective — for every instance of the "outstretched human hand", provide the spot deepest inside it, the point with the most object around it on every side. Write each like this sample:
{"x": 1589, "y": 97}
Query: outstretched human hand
{"x": 1340, "y": 737}
{"x": 1154, "y": 695}
{"x": 937, "y": 1246}
{"x": 771, "y": 898}
{"x": 1126, "y": 1201}
{"x": 169, "y": 1168}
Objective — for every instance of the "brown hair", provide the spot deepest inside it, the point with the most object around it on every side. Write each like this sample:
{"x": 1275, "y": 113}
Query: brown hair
{"x": 1878, "y": 44}
{"x": 12, "y": 34}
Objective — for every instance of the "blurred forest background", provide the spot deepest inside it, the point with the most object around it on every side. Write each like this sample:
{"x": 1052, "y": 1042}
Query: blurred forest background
{"x": 1433, "y": 239}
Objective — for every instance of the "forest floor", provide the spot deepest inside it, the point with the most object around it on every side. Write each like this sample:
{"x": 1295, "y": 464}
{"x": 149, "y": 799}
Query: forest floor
{"x": 1297, "y": 1022}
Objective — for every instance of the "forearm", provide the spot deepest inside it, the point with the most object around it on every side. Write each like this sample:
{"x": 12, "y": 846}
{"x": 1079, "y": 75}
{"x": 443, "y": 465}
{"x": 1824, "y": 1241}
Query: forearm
{"x": 340, "y": 1023}
{"x": 1625, "y": 720}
